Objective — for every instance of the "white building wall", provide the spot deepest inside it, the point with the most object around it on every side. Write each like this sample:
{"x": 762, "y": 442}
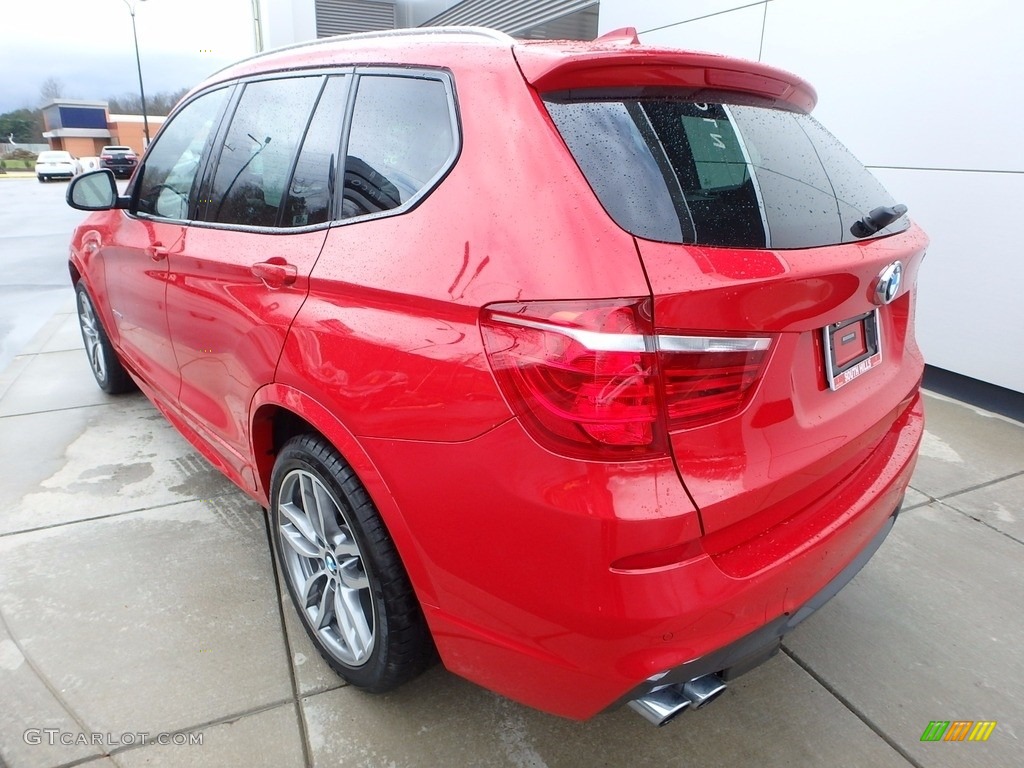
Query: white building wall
{"x": 927, "y": 94}
{"x": 294, "y": 21}
{"x": 287, "y": 21}
{"x": 413, "y": 13}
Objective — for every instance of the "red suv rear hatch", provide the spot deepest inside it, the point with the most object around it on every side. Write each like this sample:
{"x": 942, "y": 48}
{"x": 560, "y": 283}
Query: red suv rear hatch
{"x": 794, "y": 350}
{"x": 794, "y": 441}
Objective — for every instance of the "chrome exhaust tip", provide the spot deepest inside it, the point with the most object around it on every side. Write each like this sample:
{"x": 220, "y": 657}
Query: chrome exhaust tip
{"x": 702, "y": 691}
{"x": 660, "y": 707}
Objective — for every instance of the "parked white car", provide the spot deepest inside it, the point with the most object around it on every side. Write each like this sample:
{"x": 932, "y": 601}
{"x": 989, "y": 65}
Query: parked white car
{"x": 57, "y": 164}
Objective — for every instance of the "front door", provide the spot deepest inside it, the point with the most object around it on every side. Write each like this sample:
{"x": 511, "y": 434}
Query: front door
{"x": 137, "y": 269}
{"x": 239, "y": 278}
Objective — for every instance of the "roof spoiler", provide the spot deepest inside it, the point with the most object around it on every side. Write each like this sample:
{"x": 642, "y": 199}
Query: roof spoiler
{"x": 622, "y": 35}
{"x": 618, "y": 60}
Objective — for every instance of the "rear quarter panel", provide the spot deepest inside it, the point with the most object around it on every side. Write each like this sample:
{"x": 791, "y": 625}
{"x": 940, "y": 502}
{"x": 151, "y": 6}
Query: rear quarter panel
{"x": 388, "y": 337}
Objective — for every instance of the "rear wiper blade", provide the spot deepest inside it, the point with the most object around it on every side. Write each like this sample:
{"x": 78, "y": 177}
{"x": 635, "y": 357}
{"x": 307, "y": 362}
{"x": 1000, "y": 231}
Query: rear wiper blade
{"x": 879, "y": 218}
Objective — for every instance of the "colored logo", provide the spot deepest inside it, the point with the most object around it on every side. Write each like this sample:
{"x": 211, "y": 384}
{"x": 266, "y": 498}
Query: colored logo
{"x": 888, "y": 282}
{"x": 958, "y": 730}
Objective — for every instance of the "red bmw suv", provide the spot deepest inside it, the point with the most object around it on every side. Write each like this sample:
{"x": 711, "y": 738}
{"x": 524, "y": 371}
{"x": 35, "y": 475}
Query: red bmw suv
{"x": 588, "y": 367}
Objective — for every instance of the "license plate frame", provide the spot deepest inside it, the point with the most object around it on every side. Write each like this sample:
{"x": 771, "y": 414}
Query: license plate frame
{"x": 844, "y": 365}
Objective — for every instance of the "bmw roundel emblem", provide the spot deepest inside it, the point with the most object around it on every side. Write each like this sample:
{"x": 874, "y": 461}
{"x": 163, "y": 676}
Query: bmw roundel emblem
{"x": 888, "y": 283}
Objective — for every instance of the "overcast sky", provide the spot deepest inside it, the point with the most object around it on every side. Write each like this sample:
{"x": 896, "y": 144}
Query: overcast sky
{"x": 87, "y": 45}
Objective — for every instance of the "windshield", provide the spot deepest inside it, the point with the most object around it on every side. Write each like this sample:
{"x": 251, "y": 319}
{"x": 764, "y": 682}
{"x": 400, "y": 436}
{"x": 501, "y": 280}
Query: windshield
{"x": 741, "y": 175}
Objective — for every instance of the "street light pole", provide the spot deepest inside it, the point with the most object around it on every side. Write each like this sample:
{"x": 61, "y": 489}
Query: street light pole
{"x": 257, "y": 27}
{"x": 138, "y": 66}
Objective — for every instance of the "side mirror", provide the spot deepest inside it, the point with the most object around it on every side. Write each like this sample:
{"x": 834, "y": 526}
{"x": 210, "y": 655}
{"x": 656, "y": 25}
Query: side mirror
{"x": 95, "y": 191}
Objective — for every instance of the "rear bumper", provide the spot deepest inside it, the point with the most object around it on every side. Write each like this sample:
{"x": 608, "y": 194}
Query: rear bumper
{"x": 524, "y": 600}
{"x": 750, "y": 651}
{"x": 118, "y": 169}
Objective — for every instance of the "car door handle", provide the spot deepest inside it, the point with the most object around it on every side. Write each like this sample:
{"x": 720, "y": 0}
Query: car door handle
{"x": 275, "y": 273}
{"x": 157, "y": 252}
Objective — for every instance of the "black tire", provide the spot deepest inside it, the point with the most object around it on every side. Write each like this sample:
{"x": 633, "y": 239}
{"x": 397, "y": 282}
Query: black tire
{"x": 106, "y": 368}
{"x": 42, "y": 179}
{"x": 349, "y": 566}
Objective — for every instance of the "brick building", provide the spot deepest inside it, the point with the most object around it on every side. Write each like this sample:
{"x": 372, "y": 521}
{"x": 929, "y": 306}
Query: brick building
{"x": 83, "y": 128}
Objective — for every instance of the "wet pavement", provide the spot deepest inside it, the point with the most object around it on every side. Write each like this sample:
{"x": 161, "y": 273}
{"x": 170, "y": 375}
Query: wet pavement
{"x": 35, "y": 225}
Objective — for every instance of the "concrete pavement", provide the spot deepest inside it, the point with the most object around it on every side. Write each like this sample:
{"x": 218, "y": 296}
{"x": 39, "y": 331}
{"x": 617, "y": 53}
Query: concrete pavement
{"x": 138, "y": 597}
{"x": 35, "y": 228}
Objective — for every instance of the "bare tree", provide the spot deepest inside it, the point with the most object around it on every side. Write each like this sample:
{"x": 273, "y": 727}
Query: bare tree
{"x": 157, "y": 104}
{"x": 52, "y": 88}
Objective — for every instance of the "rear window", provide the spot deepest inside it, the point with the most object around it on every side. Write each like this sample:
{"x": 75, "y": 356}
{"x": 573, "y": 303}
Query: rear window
{"x": 748, "y": 175}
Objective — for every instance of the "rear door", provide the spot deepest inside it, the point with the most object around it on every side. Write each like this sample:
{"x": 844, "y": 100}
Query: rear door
{"x": 242, "y": 273}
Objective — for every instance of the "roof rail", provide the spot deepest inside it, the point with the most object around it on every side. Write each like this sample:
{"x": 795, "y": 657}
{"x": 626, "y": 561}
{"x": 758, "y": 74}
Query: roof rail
{"x": 486, "y": 32}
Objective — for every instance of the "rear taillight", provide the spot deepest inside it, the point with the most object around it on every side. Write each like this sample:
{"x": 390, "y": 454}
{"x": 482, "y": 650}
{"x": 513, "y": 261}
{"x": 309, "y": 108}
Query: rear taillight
{"x": 582, "y": 376}
{"x": 106, "y": 157}
{"x": 707, "y": 378}
{"x": 592, "y": 379}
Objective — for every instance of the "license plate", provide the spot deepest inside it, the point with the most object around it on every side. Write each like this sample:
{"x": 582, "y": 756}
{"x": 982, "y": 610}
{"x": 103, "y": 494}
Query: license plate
{"x": 852, "y": 348}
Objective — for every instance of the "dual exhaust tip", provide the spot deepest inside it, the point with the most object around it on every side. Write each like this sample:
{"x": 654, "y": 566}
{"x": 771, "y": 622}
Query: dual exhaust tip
{"x": 665, "y": 704}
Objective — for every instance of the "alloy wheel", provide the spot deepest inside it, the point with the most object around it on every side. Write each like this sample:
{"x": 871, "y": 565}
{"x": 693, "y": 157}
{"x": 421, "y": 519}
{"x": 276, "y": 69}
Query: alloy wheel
{"x": 324, "y": 564}
{"x": 91, "y": 336}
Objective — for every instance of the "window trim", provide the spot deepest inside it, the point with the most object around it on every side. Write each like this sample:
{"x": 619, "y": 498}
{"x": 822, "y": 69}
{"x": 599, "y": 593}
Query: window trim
{"x": 339, "y": 164}
{"x": 213, "y": 155}
{"x": 290, "y": 177}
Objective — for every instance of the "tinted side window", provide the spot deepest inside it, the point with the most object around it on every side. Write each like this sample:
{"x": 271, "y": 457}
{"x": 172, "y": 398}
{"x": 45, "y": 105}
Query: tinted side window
{"x": 624, "y": 167}
{"x": 401, "y": 139}
{"x": 260, "y": 145}
{"x": 312, "y": 185}
{"x": 167, "y": 188}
